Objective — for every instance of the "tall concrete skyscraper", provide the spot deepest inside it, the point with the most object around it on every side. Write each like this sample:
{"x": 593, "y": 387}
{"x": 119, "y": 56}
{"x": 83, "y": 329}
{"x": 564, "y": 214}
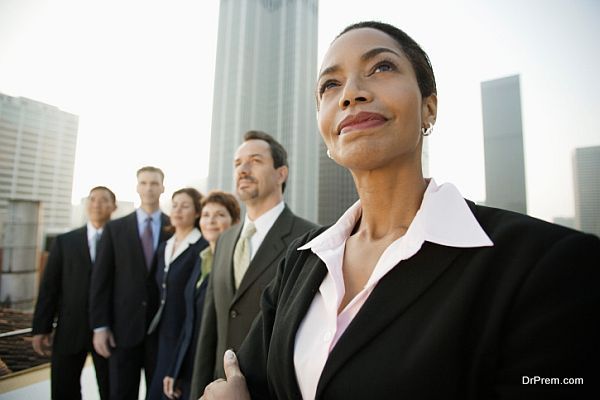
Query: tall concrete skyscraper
{"x": 586, "y": 179}
{"x": 37, "y": 155}
{"x": 503, "y": 144}
{"x": 265, "y": 80}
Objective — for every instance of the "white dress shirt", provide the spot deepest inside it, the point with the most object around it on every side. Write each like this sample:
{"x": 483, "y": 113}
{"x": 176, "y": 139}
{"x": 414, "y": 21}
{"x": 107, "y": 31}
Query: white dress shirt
{"x": 263, "y": 225}
{"x": 444, "y": 218}
{"x": 91, "y": 238}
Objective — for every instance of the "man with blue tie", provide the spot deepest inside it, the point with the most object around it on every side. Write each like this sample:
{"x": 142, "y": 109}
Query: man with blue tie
{"x": 64, "y": 292}
{"x": 123, "y": 293}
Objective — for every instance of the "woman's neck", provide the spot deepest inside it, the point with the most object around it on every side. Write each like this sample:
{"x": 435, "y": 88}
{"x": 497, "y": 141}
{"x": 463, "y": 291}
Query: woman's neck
{"x": 181, "y": 233}
{"x": 390, "y": 199}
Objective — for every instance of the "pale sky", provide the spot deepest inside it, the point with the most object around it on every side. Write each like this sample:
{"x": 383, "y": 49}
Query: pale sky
{"x": 140, "y": 76}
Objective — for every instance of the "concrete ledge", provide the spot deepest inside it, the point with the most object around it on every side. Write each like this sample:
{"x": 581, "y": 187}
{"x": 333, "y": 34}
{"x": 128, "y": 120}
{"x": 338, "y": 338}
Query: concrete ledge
{"x": 24, "y": 378}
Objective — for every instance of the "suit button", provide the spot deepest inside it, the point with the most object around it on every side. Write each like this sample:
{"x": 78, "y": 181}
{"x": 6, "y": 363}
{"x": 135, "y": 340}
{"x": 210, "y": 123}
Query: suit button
{"x": 164, "y": 285}
{"x": 233, "y": 313}
{"x": 143, "y": 304}
{"x": 162, "y": 302}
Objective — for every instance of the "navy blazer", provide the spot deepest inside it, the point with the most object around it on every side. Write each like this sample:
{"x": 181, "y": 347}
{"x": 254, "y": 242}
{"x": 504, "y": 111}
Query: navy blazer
{"x": 123, "y": 292}
{"x": 64, "y": 292}
{"x": 448, "y": 323}
{"x": 194, "y": 304}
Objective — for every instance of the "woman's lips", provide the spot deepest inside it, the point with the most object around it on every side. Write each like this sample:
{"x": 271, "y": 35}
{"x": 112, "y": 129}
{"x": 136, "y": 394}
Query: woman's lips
{"x": 360, "y": 121}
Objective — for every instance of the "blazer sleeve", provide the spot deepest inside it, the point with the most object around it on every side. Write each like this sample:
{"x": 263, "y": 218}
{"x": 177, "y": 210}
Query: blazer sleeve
{"x": 204, "y": 357}
{"x": 553, "y": 329}
{"x": 101, "y": 285}
{"x": 49, "y": 291}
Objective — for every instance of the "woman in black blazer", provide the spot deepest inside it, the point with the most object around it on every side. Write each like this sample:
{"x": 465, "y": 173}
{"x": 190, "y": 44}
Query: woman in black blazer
{"x": 176, "y": 260}
{"x": 416, "y": 293}
{"x": 218, "y": 211}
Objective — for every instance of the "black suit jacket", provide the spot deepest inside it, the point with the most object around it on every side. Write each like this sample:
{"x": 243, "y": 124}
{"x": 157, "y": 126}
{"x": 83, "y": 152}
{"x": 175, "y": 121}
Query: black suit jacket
{"x": 124, "y": 294}
{"x": 448, "y": 323}
{"x": 64, "y": 292}
{"x": 228, "y": 314}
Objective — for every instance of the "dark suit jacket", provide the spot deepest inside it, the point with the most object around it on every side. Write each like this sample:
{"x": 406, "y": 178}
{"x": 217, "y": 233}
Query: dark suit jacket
{"x": 64, "y": 292}
{"x": 448, "y": 323}
{"x": 228, "y": 314}
{"x": 124, "y": 294}
{"x": 194, "y": 305}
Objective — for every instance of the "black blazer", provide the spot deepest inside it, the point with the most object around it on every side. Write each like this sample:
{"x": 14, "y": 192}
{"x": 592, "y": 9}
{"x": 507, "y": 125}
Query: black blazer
{"x": 64, "y": 292}
{"x": 124, "y": 294}
{"x": 448, "y": 323}
{"x": 194, "y": 305}
{"x": 228, "y": 313}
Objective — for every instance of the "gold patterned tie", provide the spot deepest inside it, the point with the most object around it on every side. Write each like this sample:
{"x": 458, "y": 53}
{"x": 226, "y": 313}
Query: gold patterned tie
{"x": 241, "y": 255}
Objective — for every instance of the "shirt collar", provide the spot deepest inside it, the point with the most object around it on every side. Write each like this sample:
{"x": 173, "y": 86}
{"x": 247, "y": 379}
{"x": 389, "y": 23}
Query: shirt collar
{"x": 266, "y": 221}
{"x": 91, "y": 230}
{"x": 444, "y": 218}
{"x": 190, "y": 239}
{"x": 142, "y": 215}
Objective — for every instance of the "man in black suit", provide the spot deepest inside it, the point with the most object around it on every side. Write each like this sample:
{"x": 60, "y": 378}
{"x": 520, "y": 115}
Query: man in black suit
{"x": 234, "y": 287}
{"x": 124, "y": 295}
{"x": 64, "y": 292}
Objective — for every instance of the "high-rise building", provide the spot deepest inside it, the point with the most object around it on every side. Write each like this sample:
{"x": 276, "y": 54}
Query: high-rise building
{"x": 37, "y": 155}
{"x": 503, "y": 144}
{"x": 265, "y": 80}
{"x": 586, "y": 171}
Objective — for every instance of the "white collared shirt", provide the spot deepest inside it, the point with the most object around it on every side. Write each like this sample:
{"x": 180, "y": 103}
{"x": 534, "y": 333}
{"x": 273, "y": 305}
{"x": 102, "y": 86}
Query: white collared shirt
{"x": 444, "y": 218}
{"x": 171, "y": 255}
{"x": 263, "y": 225}
{"x": 91, "y": 238}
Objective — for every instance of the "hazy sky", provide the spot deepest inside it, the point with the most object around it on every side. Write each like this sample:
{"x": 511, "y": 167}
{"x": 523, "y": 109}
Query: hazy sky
{"x": 140, "y": 76}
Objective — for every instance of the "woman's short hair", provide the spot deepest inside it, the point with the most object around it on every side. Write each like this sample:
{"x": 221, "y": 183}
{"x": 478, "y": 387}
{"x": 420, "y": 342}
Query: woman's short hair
{"x": 415, "y": 54}
{"x": 196, "y": 199}
{"x": 225, "y": 199}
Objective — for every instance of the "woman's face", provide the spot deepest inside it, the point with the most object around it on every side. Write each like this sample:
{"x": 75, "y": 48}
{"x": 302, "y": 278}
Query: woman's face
{"x": 213, "y": 221}
{"x": 183, "y": 213}
{"x": 370, "y": 106}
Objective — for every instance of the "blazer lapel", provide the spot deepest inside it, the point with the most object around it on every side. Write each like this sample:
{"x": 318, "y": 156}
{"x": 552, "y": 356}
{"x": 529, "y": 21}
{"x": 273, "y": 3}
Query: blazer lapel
{"x": 392, "y": 296}
{"x": 306, "y": 285}
{"x": 271, "y": 248}
{"x": 83, "y": 247}
{"x": 225, "y": 249}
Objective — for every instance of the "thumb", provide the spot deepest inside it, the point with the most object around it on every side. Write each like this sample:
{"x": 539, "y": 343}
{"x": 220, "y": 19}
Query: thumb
{"x": 231, "y": 366}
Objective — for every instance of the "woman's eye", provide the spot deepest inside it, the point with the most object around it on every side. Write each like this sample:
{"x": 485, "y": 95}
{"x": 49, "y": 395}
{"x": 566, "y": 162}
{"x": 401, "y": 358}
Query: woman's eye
{"x": 327, "y": 85}
{"x": 383, "y": 67}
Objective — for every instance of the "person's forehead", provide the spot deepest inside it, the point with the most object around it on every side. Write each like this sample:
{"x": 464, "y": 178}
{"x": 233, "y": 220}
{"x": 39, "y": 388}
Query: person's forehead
{"x": 355, "y": 43}
{"x": 253, "y": 147}
{"x": 181, "y": 197}
{"x": 148, "y": 176}
{"x": 99, "y": 193}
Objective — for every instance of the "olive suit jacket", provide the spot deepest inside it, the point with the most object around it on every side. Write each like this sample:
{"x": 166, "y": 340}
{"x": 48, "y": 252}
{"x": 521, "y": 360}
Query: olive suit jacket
{"x": 447, "y": 323}
{"x": 228, "y": 314}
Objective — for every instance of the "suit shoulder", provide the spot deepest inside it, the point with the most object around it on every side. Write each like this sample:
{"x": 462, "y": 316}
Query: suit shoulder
{"x": 511, "y": 226}
{"x": 303, "y": 225}
{"x": 72, "y": 235}
{"x": 127, "y": 219}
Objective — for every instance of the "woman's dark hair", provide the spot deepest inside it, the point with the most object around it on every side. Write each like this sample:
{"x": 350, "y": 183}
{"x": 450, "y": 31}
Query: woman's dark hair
{"x": 225, "y": 199}
{"x": 196, "y": 199}
{"x": 417, "y": 57}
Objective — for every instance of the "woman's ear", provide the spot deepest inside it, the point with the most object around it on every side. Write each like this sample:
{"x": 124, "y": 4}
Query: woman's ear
{"x": 429, "y": 109}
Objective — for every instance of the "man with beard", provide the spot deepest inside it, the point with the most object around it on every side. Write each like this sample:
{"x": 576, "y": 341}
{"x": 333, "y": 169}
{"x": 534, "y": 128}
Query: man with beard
{"x": 247, "y": 255}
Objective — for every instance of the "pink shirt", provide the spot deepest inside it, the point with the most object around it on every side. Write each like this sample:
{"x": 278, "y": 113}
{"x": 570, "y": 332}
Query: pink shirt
{"x": 444, "y": 218}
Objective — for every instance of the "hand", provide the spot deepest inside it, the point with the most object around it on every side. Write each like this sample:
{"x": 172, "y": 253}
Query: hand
{"x": 169, "y": 388}
{"x": 103, "y": 342}
{"x": 41, "y": 344}
{"x": 233, "y": 387}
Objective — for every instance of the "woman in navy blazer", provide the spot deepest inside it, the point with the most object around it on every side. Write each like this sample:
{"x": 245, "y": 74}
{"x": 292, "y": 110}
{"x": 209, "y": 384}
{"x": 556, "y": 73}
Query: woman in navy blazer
{"x": 219, "y": 210}
{"x": 176, "y": 260}
{"x": 416, "y": 293}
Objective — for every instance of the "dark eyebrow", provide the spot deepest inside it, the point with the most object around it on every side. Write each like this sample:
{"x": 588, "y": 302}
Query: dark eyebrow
{"x": 365, "y": 57}
{"x": 377, "y": 50}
